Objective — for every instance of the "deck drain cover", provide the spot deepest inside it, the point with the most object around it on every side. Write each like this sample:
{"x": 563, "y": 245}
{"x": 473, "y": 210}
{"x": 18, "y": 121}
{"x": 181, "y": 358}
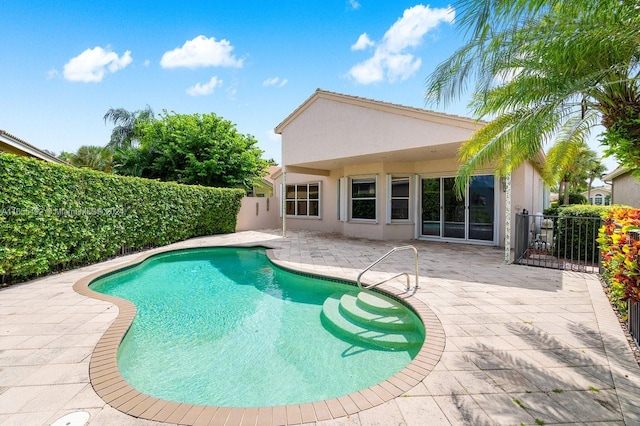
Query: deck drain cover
{"x": 77, "y": 418}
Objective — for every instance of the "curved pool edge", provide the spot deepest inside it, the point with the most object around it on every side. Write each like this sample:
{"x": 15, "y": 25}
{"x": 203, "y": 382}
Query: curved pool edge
{"x": 107, "y": 382}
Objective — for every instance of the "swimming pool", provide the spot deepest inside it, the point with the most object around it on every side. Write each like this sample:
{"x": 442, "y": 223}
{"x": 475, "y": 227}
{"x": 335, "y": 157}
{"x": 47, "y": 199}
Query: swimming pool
{"x": 226, "y": 327}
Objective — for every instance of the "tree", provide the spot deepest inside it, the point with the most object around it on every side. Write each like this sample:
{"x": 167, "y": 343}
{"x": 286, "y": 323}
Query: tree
{"x": 123, "y": 135}
{"x": 544, "y": 71}
{"x": 571, "y": 176}
{"x": 595, "y": 171}
{"x": 193, "y": 149}
{"x": 90, "y": 157}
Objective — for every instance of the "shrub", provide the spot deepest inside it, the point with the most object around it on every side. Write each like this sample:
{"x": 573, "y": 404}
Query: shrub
{"x": 576, "y": 233}
{"x": 54, "y": 216}
{"x": 619, "y": 246}
{"x": 574, "y": 198}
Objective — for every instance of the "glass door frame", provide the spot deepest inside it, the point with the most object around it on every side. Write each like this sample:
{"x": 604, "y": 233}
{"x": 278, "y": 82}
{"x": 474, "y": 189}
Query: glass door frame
{"x": 465, "y": 239}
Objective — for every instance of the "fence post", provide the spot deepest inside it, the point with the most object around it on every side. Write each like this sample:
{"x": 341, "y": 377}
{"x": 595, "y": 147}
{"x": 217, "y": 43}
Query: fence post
{"x": 522, "y": 235}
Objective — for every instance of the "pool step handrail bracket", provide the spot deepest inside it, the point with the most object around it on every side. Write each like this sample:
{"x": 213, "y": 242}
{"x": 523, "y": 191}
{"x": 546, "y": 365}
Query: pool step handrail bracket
{"x": 389, "y": 253}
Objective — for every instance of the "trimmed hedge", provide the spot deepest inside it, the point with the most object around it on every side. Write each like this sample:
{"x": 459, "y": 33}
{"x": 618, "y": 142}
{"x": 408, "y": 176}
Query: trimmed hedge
{"x": 54, "y": 216}
{"x": 577, "y": 234}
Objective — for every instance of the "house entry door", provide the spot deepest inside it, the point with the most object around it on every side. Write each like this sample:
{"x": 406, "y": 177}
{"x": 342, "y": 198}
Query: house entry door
{"x": 445, "y": 216}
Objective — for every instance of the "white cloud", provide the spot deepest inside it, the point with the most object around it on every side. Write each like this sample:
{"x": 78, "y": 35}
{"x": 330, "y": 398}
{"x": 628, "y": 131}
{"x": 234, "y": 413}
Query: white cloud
{"x": 391, "y": 60}
{"x": 275, "y": 81}
{"x": 201, "y": 52}
{"x": 368, "y": 71}
{"x": 91, "y": 65}
{"x": 363, "y": 42}
{"x": 204, "y": 89}
{"x": 355, "y": 4}
{"x": 401, "y": 67}
{"x": 146, "y": 63}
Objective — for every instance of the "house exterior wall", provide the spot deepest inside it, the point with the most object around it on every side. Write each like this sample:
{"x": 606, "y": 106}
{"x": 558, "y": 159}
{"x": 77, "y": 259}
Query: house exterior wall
{"x": 527, "y": 193}
{"x": 333, "y": 139}
{"x": 626, "y": 190}
{"x": 374, "y": 131}
{"x": 258, "y": 213}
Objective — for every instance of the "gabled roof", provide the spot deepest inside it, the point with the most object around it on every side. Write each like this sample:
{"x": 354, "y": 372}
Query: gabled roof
{"x": 418, "y": 113}
{"x": 19, "y": 145}
{"x": 616, "y": 173}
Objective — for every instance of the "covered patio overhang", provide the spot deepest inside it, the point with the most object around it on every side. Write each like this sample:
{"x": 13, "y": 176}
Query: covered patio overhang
{"x": 324, "y": 167}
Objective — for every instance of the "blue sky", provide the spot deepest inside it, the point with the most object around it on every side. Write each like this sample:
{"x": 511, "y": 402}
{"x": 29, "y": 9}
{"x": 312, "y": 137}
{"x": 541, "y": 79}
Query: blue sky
{"x": 64, "y": 64}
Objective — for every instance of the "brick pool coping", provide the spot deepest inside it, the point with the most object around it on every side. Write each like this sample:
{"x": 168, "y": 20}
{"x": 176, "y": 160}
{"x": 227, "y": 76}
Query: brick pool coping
{"x": 115, "y": 391}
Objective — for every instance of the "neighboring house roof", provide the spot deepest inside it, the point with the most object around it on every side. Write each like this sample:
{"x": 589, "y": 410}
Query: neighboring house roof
{"x": 15, "y": 145}
{"x": 599, "y": 189}
{"x": 616, "y": 173}
{"x": 452, "y": 120}
{"x": 269, "y": 177}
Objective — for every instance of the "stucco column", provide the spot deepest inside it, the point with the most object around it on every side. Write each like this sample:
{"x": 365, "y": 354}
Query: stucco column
{"x": 283, "y": 194}
{"x": 507, "y": 219}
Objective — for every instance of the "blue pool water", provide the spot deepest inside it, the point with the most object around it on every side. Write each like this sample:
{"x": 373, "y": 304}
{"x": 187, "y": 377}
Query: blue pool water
{"x": 226, "y": 327}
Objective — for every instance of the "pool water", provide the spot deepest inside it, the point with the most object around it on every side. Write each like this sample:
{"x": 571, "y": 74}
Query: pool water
{"x": 226, "y": 327}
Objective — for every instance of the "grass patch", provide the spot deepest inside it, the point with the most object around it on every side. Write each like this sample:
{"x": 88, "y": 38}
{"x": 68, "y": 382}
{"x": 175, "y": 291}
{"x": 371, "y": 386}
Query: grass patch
{"x": 519, "y": 403}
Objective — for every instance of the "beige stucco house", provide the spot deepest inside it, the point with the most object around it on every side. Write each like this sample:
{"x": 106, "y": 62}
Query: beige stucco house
{"x": 371, "y": 169}
{"x": 625, "y": 188}
{"x": 599, "y": 196}
{"x": 17, "y": 146}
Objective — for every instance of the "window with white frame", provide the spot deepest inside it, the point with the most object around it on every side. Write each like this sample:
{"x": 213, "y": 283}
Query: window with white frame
{"x": 363, "y": 198}
{"x": 399, "y": 198}
{"x": 598, "y": 199}
{"x": 303, "y": 200}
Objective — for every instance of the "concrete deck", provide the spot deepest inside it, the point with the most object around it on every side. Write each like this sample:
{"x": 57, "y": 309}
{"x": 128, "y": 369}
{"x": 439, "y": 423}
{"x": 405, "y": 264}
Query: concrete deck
{"x": 523, "y": 345}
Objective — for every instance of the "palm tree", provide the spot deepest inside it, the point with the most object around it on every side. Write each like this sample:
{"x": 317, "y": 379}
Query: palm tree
{"x": 90, "y": 157}
{"x": 570, "y": 175}
{"x": 123, "y": 134}
{"x": 544, "y": 71}
{"x": 595, "y": 171}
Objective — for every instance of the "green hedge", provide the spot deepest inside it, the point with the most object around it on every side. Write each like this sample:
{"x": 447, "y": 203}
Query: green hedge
{"x": 53, "y": 216}
{"x": 577, "y": 233}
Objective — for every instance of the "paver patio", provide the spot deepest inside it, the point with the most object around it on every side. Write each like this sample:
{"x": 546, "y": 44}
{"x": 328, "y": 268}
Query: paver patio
{"x": 523, "y": 345}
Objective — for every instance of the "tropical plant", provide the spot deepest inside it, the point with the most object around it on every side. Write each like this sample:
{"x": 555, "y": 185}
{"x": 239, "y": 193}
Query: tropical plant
{"x": 90, "y": 157}
{"x": 595, "y": 171}
{"x": 123, "y": 135}
{"x": 620, "y": 250}
{"x": 570, "y": 175}
{"x": 544, "y": 71}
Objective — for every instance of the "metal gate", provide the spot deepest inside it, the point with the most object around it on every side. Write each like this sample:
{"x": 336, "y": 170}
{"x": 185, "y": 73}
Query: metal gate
{"x": 558, "y": 242}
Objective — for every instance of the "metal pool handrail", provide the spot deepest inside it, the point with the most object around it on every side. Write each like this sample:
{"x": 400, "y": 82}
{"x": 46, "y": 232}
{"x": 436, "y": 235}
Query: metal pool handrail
{"x": 389, "y": 253}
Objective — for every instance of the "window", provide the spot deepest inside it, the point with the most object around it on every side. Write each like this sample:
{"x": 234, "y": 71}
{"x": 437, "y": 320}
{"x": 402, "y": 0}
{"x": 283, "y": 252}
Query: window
{"x": 363, "y": 198}
{"x": 303, "y": 200}
{"x": 598, "y": 199}
{"x": 399, "y": 198}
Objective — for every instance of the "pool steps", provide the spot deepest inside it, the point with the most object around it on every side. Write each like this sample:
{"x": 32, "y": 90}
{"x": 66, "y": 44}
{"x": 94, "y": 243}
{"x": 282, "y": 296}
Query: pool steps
{"x": 370, "y": 318}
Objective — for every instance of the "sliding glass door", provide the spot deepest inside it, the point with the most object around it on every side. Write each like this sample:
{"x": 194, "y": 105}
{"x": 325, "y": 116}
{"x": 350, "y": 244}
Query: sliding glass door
{"x": 447, "y": 216}
{"x": 481, "y": 208}
{"x": 431, "y": 207}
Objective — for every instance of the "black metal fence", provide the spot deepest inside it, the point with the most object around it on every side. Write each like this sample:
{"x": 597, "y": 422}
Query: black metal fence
{"x": 558, "y": 242}
{"x": 633, "y": 312}
{"x": 633, "y": 321}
